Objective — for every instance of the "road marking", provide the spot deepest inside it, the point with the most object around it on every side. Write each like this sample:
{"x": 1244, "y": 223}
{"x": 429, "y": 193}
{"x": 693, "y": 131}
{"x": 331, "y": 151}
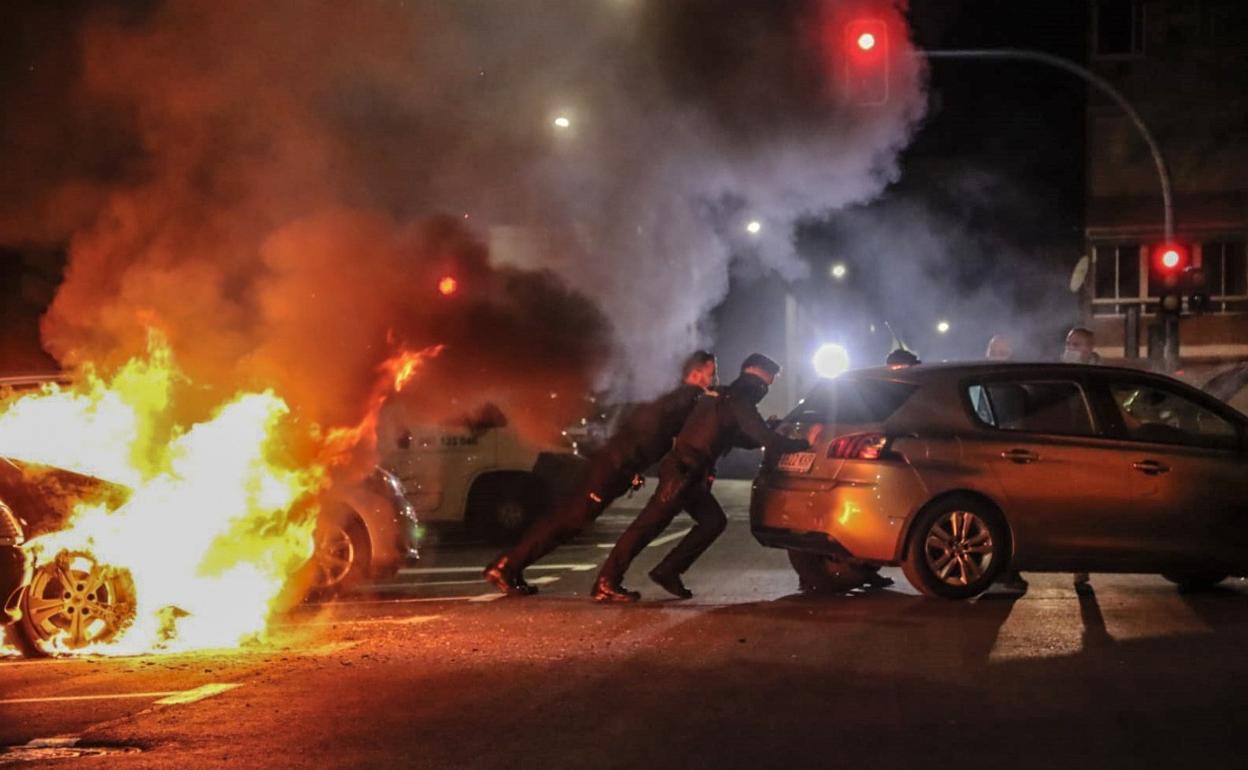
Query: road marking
{"x": 469, "y": 570}
{"x": 197, "y": 694}
{"x": 543, "y": 580}
{"x": 486, "y": 597}
{"x": 656, "y": 542}
{"x": 166, "y": 696}
{"x": 414, "y": 620}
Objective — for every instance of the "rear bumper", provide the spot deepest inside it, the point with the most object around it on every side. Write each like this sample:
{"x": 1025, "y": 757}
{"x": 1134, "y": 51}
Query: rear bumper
{"x": 861, "y": 519}
{"x": 15, "y": 570}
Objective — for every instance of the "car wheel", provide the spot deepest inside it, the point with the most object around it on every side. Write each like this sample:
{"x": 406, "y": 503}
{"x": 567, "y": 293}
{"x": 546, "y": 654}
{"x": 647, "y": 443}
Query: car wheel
{"x": 74, "y": 602}
{"x": 499, "y": 510}
{"x": 824, "y": 574}
{"x": 341, "y": 557}
{"x": 956, "y": 548}
{"x": 1190, "y": 582}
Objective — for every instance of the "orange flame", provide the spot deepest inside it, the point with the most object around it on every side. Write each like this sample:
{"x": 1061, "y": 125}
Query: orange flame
{"x": 217, "y": 518}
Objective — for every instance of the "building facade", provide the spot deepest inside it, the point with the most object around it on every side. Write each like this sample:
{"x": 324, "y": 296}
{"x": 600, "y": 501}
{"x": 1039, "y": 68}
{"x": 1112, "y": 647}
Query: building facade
{"x": 1182, "y": 64}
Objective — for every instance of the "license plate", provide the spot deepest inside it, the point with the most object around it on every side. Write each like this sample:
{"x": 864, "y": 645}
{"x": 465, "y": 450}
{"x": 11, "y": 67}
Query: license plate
{"x": 796, "y": 462}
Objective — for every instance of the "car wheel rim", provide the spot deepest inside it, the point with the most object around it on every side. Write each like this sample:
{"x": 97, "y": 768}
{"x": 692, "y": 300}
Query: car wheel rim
{"x": 335, "y": 556}
{"x": 74, "y": 601}
{"x": 511, "y": 515}
{"x": 959, "y": 548}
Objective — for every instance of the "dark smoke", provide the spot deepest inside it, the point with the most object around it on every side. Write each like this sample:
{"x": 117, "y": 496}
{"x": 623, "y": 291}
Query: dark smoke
{"x": 256, "y": 180}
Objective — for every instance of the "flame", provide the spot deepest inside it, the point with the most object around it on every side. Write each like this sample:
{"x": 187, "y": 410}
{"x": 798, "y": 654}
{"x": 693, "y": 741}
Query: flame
{"x": 218, "y": 516}
{"x": 394, "y": 374}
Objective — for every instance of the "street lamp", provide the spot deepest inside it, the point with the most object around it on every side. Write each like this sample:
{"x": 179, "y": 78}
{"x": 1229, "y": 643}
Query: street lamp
{"x": 831, "y": 360}
{"x": 942, "y": 327}
{"x": 838, "y": 271}
{"x": 562, "y": 122}
{"x": 754, "y": 227}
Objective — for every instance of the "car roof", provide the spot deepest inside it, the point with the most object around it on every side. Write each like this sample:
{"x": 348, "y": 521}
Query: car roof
{"x": 957, "y": 369}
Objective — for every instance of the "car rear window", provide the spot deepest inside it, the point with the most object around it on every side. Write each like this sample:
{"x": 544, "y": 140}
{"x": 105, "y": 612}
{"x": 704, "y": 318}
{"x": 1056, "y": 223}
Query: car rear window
{"x": 852, "y": 402}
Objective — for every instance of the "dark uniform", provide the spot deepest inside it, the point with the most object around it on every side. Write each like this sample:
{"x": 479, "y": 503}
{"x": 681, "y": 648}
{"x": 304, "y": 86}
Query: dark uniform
{"x": 643, "y": 438}
{"x": 714, "y": 427}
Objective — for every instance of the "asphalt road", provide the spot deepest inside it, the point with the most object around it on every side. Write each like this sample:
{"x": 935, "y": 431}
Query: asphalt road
{"x": 434, "y": 672}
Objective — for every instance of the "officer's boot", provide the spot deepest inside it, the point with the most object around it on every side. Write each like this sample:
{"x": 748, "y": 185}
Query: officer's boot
{"x": 670, "y": 582}
{"x": 607, "y": 590}
{"x": 506, "y": 578}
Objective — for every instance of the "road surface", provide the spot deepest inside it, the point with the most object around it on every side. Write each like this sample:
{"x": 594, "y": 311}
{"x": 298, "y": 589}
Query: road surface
{"x": 434, "y": 671}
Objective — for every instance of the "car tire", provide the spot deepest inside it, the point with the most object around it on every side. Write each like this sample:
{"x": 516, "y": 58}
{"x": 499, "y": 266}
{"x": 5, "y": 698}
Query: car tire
{"x": 1193, "y": 582}
{"x": 501, "y": 508}
{"x": 114, "y": 594}
{"x": 822, "y": 574}
{"x": 342, "y": 557}
{"x": 956, "y": 548}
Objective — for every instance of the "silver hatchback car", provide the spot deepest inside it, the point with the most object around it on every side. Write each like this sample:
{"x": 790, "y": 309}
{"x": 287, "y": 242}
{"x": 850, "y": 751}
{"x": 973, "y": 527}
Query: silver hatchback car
{"x": 957, "y": 472}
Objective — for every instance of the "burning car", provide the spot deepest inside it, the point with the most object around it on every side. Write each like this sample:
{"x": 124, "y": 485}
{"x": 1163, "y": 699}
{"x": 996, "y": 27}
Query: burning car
{"x": 61, "y": 596}
{"x": 62, "y": 600}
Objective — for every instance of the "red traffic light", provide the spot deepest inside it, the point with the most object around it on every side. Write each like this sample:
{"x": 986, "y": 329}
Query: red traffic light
{"x": 1170, "y": 258}
{"x": 865, "y": 51}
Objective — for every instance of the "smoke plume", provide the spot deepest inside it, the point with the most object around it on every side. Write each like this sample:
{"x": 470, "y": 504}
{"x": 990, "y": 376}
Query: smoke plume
{"x": 280, "y": 187}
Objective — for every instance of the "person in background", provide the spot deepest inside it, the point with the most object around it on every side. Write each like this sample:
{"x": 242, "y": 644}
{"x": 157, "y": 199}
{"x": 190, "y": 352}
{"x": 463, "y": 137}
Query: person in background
{"x": 1081, "y": 349}
{"x": 901, "y": 358}
{"x": 999, "y": 349}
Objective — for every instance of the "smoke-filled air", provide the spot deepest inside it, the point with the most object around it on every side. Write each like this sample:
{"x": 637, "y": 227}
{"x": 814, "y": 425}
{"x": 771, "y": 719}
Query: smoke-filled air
{"x": 280, "y": 188}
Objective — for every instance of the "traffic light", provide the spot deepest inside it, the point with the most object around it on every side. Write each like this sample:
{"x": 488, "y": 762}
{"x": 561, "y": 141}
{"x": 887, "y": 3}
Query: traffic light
{"x": 866, "y": 61}
{"x": 1170, "y": 262}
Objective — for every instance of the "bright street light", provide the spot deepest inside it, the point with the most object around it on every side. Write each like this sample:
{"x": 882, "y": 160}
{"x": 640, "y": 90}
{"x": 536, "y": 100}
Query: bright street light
{"x": 866, "y": 41}
{"x": 562, "y": 122}
{"x": 754, "y": 227}
{"x": 943, "y": 327}
{"x": 831, "y": 360}
{"x": 838, "y": 271}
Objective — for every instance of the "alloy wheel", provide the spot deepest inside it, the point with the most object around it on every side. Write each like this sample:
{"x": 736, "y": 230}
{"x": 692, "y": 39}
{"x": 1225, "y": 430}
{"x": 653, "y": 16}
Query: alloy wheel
{"x": 959, "y": 548}
{"x": 335, "y": 555}
{"x": 74, "y": 601}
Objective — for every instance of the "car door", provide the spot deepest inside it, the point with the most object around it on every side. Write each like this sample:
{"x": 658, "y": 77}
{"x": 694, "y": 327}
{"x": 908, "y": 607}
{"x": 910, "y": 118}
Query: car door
{"x": 1062, "y": 478}
{"x": 434, "y": 461}
{"x": 1187, "y": 469}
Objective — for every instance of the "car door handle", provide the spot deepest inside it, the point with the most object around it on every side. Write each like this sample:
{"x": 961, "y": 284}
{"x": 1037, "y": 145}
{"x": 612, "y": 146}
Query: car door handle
{"x": 1151, "y": 467}
{"x": 1020, "y": 456}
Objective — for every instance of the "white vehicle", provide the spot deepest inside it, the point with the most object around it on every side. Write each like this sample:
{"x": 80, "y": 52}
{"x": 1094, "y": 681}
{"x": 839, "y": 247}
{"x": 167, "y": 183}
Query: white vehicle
{"x": 477, "y": 470}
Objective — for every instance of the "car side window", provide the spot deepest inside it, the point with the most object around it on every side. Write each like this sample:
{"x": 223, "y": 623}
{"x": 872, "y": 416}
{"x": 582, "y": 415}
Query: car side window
{"x": 1156, "y": 414}
{"x": 1033, "y": 406}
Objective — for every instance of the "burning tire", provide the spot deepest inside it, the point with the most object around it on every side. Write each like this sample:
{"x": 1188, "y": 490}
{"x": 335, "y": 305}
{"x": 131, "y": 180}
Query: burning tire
{"x": 341, "y": 559}
{"x": 73, "y": 602}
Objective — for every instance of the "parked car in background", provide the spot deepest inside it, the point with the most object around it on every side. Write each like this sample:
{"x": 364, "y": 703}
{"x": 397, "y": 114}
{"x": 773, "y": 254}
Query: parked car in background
{"x": 958, "y": 472}
{"x": 474, "y": 470}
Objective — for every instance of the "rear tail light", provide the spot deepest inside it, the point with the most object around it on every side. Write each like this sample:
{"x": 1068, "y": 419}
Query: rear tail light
{"x": 862, "y": 446}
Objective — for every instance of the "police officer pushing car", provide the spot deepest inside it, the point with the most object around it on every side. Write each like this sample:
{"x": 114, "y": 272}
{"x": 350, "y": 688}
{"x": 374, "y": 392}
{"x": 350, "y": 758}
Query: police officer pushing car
{"x": 715, "y": 426}
{"x": 644, "y": 437}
